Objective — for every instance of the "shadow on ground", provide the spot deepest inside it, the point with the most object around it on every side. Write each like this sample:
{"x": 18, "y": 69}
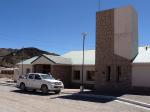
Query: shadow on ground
{"x": 6, "y": 84}
{"x": 10, "y": 81}
{"x": 87, "y": 96}
{"x": 118, "y": 93}
{"x": 38, "y": 93}
{"x": 79, "y": 97}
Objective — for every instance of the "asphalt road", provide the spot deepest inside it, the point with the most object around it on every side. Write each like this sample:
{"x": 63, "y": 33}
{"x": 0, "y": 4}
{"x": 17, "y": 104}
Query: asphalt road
{"x": 13, "y": 100}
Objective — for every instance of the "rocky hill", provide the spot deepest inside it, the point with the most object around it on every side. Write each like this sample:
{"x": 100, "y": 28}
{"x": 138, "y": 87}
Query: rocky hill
{"x": 5, "y": 51}
{"x": 9, "y": 57}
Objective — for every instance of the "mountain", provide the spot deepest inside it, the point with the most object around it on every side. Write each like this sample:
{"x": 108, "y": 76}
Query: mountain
{"x": 9, "y": 57}
{"x": 5, "y": 51}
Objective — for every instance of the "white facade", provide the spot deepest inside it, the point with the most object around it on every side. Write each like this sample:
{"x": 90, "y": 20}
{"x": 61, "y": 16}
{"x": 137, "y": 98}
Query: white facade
{"x": 141, "y": 75}
{"x": 126, "y": 32}
{"x": 19, "y": 71}
{"x": 141, "y": 68}
{"x": 16, "y": 74}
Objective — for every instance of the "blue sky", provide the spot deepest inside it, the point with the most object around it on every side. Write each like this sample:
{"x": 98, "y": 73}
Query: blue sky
{"x": 56, "y": 25}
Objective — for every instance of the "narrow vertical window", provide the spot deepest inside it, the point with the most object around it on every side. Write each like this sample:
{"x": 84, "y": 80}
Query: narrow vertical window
{"x": 118, "y": 73}
{"x": 76, "y": 75}
{"x": 108, "y": 72}
{"x": 90, "y": 75}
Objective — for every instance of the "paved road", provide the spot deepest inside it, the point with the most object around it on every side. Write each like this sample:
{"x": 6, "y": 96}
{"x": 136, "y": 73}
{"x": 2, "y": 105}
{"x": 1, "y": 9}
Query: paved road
{"x": 13, "y": 100}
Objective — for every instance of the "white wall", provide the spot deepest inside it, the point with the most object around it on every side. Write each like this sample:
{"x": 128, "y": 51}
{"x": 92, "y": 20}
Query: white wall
{"x": 25, "y": 66}
{"x": 141, "y": 75}
{"x": 16, "y": 74}
{"x": 79, "y": 67}
{"x": 126, "y": 32}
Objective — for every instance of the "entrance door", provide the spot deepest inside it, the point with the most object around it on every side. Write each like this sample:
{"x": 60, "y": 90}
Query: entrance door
{"x": 42, "y": 68}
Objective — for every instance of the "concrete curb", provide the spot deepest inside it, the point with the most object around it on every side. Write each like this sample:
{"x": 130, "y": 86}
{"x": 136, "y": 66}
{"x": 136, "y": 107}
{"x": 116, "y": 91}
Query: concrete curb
{"x": 134, "y": 102}
{"x": 115, "y": 98}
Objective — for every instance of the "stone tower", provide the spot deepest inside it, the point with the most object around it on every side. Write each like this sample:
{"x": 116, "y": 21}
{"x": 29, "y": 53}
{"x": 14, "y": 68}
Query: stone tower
{"x": 116, "y": 47}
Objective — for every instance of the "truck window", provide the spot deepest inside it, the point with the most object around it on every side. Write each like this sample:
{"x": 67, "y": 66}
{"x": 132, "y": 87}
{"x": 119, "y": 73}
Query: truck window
{"x": 37, "y": 77}
{"x": 31, "y": 76}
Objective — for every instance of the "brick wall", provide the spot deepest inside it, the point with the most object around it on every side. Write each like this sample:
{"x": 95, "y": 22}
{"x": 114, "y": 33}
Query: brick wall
{"x": 63, "y": 73}
{"x": 105, "y": 55}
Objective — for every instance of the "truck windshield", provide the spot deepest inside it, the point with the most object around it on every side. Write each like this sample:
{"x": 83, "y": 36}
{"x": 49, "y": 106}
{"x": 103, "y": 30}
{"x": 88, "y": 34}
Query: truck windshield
{"x": 47, "y": 76}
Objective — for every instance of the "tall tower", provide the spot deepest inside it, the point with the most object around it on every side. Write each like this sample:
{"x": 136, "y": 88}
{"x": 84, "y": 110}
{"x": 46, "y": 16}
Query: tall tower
{"x": 116, "y": 47}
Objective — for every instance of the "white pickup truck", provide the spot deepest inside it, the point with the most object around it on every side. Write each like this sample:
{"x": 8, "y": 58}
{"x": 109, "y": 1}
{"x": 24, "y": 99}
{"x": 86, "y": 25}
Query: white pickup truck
{"x": 39, "y": 81}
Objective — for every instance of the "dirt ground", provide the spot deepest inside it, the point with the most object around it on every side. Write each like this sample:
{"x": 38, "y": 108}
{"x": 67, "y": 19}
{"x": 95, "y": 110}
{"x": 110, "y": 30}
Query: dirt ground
{"x": 13, "y": 100}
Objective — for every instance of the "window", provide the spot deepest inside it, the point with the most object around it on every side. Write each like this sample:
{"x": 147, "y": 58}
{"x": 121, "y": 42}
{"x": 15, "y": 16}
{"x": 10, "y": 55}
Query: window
{"x": 76, "y": 75}
{"x": 37, "y": 77}
{"x": 118, "y": 73}
{"x": 108, "y": 72}
{"x": 90, "y": 75}
{"x": 27, "y": 70}
{"x": 31, "y": 76}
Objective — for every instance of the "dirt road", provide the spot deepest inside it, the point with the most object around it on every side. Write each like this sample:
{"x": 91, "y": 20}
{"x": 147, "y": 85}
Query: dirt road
{"x": 13, "y": 100}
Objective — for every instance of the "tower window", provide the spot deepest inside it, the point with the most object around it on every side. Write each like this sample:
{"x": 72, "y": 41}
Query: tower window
{"x": 108, "y": 72}
{"x": 118, "y": 73}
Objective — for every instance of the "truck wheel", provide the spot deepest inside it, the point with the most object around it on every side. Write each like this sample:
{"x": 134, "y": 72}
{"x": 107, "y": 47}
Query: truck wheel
{"x": 44, "y": 89}
{"x": 22, "y": 87}
{"x": 57, "y": 91}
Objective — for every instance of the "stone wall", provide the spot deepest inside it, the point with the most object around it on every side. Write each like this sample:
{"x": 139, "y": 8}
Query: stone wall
{"x": 62, "y": 72}
{"x": 105, "y": 56}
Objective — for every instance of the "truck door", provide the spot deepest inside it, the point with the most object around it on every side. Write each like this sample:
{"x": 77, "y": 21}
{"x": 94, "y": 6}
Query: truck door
{"x": 30, "y": 81}
{"x": 37, "y": 82}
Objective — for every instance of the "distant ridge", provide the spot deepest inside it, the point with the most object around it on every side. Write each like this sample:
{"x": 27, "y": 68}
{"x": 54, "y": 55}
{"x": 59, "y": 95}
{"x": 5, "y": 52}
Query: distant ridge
{"x": 9, "y": 57}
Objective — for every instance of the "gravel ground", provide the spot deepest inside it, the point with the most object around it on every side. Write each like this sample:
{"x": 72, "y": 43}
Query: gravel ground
{"x": 13, "y": 100}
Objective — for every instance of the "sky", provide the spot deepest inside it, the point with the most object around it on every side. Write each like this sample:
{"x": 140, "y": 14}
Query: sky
{"x": 56, "y": 25}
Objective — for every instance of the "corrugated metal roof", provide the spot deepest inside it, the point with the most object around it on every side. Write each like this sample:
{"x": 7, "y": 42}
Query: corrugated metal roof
{"x": 29, "y": 61}
{"x": 58, "y": 59}
{"x": 143, "y": 55}
{"x": 77, "y": 56}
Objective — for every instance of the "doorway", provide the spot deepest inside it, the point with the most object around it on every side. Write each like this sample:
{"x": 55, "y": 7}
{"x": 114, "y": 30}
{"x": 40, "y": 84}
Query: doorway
{"x": 42, "y": 68}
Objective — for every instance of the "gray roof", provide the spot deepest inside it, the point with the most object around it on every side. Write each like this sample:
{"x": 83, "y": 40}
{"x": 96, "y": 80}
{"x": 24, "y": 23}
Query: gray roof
{"x": 58, "y": 59}
{"x": 77, "y": 56}
{"x": 70, "y": 58}
{"x": 29, "y": 61}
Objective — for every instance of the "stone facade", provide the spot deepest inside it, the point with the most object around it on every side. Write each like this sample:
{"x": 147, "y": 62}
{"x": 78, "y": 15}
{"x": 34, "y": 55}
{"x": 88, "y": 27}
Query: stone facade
{"x": 62, "y": 72}
{"x": 107, "y": 59}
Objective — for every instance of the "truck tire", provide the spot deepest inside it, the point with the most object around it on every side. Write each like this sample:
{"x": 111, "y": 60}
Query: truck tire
{"x": 22, "y": 86}
{"x": 57, "y": 91}
{"x": 44, "y": 89}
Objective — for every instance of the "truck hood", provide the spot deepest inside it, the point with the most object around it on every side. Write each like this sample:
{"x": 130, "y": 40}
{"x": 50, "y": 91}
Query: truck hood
{"x": 51, "y": 80}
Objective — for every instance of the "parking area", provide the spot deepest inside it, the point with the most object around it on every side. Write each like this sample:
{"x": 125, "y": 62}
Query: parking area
{"x": 13, "y": 100}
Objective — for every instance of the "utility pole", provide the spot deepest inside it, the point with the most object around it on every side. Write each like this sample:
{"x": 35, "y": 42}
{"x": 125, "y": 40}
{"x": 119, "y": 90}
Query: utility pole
{"x": 84, "y": 34}
{"x": 22, "y": 59}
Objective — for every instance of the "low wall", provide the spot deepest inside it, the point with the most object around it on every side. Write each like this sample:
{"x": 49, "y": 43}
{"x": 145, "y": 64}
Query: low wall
{"x": 6, "y": 76}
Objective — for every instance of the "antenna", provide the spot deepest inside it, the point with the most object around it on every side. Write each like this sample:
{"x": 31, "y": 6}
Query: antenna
{"x": 99, "y": 5}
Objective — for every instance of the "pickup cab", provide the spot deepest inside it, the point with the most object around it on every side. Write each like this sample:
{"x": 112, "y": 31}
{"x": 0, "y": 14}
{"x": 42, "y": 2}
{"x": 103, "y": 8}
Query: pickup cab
{"x": 39, "y": 81}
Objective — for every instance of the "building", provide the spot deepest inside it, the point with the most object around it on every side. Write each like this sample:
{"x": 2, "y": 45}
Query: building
{"x": 116, "y": 64}
{"x": 141, "y": 69}
{"x": 66, "y": 67}
{"x": 88, "y": 71}
{"x": 6, "y": 72}
{"x": 116, "y": 48}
